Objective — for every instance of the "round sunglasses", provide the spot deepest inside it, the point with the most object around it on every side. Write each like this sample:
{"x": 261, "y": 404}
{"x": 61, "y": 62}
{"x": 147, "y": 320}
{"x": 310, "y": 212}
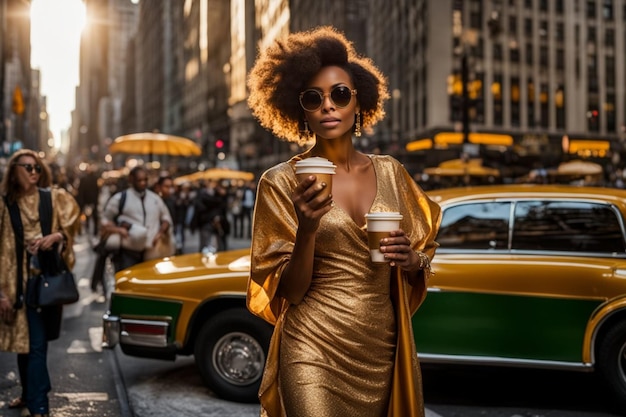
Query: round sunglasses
{"x": 30, "y": 167}
{"x": 312, "y": 99}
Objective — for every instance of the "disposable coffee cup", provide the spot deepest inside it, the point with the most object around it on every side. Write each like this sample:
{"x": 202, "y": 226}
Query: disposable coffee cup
{"x": 379, "y": 225}
{"x": 322, "y": 168}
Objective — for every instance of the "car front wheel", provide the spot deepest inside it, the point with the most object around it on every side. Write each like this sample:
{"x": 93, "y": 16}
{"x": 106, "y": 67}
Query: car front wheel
{"x": 230, "y": 353}
{"x": 612, "y": 363}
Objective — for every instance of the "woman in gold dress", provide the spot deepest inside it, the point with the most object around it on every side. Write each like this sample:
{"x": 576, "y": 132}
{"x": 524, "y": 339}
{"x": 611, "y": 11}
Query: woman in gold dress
{"x": 25, "y": 329}
{"x": 343, "y": 343}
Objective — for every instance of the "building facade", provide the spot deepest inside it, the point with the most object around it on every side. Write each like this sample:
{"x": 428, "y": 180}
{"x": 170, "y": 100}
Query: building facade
{"x": 515, "y": 82}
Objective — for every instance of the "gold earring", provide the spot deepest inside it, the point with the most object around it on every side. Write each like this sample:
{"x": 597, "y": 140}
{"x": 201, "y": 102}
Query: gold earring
{"x": 357, "y": 125}
{"x": 306, "y": 133}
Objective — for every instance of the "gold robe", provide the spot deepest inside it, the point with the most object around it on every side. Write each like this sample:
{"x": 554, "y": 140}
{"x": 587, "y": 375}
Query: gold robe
{"x": 14, "y": 337}
{"x": 350, "y": 341}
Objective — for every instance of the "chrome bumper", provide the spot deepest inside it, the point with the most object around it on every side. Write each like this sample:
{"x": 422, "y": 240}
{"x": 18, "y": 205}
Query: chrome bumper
{"x": 110, "y": 331}
{"x": 134, "y": 332}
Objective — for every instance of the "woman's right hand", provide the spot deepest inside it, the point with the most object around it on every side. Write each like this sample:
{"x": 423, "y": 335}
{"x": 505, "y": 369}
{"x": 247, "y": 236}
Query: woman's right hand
{"x": 310, "y": 205}
{"x": 7, "y": 314}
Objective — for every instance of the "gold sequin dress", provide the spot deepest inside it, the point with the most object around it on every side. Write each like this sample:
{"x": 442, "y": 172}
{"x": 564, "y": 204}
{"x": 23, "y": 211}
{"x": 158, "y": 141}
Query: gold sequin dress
{"x": 347, "y": 349}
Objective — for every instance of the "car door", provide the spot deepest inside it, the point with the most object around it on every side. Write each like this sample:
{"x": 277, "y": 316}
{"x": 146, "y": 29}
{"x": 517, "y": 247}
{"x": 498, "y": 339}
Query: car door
{"x": 497, "y": 296}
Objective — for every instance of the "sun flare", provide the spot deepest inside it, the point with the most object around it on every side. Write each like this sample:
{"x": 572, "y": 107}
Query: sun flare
{"x": 56, "y": 28}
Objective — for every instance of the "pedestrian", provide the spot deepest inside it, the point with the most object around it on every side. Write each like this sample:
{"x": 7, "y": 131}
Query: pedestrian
{"x": 236, "y": 210}
{"x": 26, "y": 329}
{"x": 247, "y": 206}
{"x": 343, "y": 342}
{"x": 209, "y": 209}
{"x": 183, "y": 202}
{"x": 134, "y": 220}
{"x": 166, "y": 245}
{"x": 87, "y": 198}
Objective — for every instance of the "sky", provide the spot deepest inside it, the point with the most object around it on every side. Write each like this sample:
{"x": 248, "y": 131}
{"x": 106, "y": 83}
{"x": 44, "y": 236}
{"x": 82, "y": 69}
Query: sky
{"x": 56, "y": 26}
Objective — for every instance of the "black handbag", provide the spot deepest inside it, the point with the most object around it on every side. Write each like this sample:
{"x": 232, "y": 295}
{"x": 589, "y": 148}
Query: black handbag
{"x": 55, "y": 285}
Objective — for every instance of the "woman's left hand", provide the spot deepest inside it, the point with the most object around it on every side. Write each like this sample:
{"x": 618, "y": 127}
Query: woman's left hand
{"x": 397, "y": 250}
{"x": 44, "y": 243}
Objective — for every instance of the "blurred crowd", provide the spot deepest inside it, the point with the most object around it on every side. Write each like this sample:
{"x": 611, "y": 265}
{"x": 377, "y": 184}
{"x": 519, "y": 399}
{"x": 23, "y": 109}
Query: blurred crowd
{"x": 216, "y": 209}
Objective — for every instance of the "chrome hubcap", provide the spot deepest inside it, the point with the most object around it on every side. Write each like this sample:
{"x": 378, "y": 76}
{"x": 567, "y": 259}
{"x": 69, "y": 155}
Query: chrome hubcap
{"x": 238, "y": 358}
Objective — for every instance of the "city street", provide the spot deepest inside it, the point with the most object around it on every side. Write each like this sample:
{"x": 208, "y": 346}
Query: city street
{"x": 89, "y": 382}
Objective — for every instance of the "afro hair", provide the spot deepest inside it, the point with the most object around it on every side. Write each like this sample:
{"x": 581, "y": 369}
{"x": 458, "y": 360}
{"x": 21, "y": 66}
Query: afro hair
{"x": 282, "y": 71}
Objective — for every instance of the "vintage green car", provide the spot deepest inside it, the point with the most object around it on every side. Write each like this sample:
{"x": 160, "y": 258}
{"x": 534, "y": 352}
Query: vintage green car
{"x": 526, "y": 275}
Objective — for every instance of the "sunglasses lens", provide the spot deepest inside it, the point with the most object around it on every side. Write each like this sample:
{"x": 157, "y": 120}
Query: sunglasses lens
{"x": 311, "y": 100}
{"x": 29, "y": 168}
{"x": 341, "y": 96}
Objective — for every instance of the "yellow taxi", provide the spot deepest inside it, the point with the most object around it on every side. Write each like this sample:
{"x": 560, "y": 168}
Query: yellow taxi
{"x": 526, "y": 275}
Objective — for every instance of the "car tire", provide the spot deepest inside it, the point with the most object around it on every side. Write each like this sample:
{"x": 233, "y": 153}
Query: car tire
{"x": 611, "y": 363}
{"x": 230, "y": 353}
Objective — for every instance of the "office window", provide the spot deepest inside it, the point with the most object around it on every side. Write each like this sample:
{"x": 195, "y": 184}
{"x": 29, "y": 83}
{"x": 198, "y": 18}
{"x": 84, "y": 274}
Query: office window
{"x": 607, "y": 9}
{"x": 496, "y": 92}
{"x": 609, "y": 68}
{"x": 543, "y": 5}
{"x": 609, "y": 110}
{"x": 497, "y": 52}
{"x": 591, "y": 9}
{"x": 591, "y": 34}
{"x": 515, "y": 101}
{"x": 592, "y": 74}
{"x": 560, "y": 59}
{"x": 560, "y": 32}
{"x": 609, "y": 37}
{"x": 544, "y": 60}
{"x": 528, "y": 27}
{"x": 477, "y": 96}
{"x": 477, "y": 50}
{"x": 544, "y": 105}
{"x": 529, "y": 53}
{"x": 514, "y": 54}
{"x": 558, "y": 6}
{"x": 513, "y": 25}
{"x": 530, "y": 91}
{"x": 543, "y": 29}
{"x": 475, "y": 19}
{"x": 559, "y": 106}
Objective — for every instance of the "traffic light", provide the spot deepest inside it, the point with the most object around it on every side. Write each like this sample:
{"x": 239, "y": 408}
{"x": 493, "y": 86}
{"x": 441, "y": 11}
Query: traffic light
{"x": 18, "y": 101}
{"x": 219, "y": 144}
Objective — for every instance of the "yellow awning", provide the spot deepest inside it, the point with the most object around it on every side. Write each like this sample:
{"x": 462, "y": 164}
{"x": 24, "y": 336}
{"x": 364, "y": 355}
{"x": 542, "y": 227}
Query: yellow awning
{"x": 418, "y": 145}
{"x": 578, "y": 145}
{"x": 448, "y": 138}
{"x": 443, "y": 139}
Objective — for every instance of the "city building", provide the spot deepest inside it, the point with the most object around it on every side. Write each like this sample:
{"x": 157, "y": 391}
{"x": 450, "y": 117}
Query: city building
{"x": 18, "y": 116}
{"x": 521, "y": 84}
{"x": 528, "y": 82}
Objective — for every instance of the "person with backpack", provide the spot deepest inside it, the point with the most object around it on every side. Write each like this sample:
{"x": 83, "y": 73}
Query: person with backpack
{"x": 28, "y": 201}
{"x": 137, "y": 224}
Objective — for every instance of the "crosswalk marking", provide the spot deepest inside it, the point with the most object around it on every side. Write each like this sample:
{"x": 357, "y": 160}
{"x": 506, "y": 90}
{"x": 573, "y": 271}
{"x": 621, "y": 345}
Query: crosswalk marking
{"x": 84, "y": 396}
{"x": 93, "y": 345}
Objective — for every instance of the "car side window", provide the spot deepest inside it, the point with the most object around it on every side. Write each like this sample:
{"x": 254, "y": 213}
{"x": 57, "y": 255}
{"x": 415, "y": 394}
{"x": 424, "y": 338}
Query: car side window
{"x": 475, "y": 226}
{"x": 571, "y": 226}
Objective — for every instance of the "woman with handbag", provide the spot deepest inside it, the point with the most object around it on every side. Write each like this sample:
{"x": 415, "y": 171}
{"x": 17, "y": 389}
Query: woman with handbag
{"x": 26, "y": 329}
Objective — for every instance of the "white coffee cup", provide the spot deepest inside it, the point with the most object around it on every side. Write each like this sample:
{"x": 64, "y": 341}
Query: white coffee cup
{"x": 322, "y": 168}
{"x": 379, "y": 224}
